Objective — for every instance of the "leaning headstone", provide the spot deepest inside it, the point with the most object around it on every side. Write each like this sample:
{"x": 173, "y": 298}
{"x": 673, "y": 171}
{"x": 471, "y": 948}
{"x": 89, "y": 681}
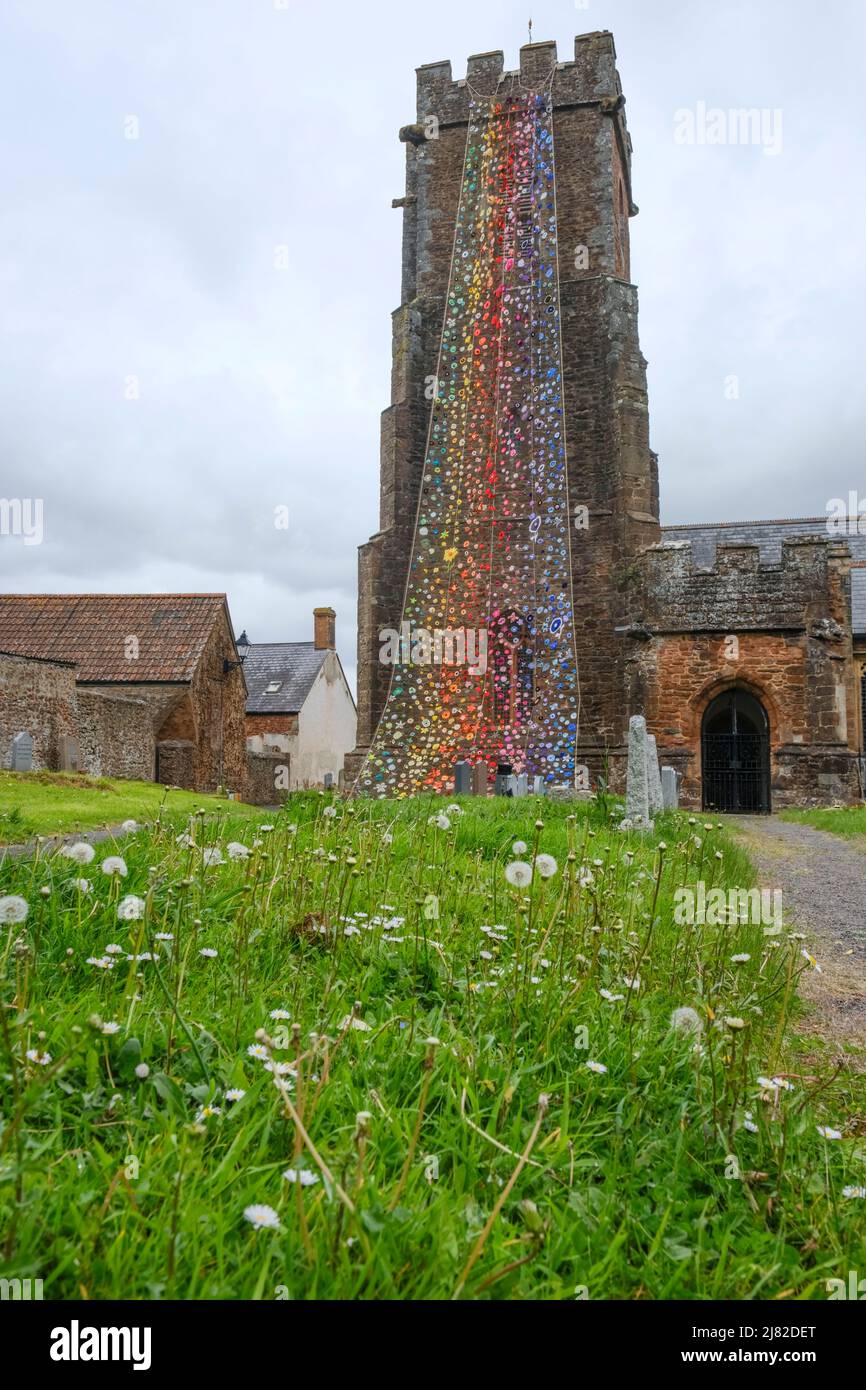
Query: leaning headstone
{"x": 22, "y": 753}
{"x": 480, "y": 779}
{"x": 637, "y": 786}
{"x": 670, "y": 789}
{"x": 462, "y": 779}
{"x": 654, "y": 780}
{"x": 522, "y": 787}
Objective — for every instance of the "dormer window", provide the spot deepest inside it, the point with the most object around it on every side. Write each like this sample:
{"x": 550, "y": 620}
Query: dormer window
{"x": 272, "y": 687}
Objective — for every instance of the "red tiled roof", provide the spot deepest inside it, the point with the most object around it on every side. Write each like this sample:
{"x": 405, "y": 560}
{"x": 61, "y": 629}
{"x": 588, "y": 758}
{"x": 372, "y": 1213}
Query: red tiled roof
{"x": 91, "y": 630}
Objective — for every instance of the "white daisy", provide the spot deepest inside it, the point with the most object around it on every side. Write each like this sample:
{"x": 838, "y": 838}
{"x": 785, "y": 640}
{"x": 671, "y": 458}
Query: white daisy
{"x": 280, "y": 1015}
{"x": 235, "y": 1093}
{"x": 261, "y": 1217}
{"x": 741, "y": 958}
{"x": 41, "y": 1059}
{"x": 827, "y": 1133}
{"x": 305, "y": 1176}
{"x": 598, "y": 1067}
{"x": 208, "y": 952}
{"x": 256, "y": 1050}
{"x": 109, "y": 1028}
{"x": 854, "y": 1191}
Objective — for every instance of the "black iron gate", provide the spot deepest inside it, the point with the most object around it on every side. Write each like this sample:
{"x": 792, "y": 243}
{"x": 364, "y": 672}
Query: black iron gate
{"x": 736, "y": 772}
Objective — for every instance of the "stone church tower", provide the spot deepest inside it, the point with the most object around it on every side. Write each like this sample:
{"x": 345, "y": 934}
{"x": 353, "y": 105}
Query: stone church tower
{"x": 612, "y": 479}
{"x": 519, "y": 493}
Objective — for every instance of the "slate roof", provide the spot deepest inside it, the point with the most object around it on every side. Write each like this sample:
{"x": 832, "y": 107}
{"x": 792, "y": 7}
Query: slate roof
{"x": 768, "y": 536}
{"x": 294, "y": 664}
{"x": 90, "y": 630}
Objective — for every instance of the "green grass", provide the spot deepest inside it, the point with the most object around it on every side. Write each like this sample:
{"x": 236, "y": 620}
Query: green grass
{"x": 48, "y": 803}
{"x": 438, "y": 1168}
{"x": 849, "y": 821}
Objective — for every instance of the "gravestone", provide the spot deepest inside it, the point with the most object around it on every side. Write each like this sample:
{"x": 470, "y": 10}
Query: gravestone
{"x": 70, "y": 758}
{"x": 538, "y": 786}
{"x": 637, "y": 786}
{"x": 462, "y": 779}
{"x": 522, "y": 785}
{"x": 328, "y": 781}
{"x": 502, "y": 784}
{"x": 670, "y": 790}
{"x": 654, "y": 780}
{"x": 22, "y": 753}
{"x": 480, "y": 778}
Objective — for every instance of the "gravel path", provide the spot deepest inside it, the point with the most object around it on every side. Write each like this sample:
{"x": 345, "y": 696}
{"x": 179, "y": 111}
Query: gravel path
{"x": 823, "y": 883}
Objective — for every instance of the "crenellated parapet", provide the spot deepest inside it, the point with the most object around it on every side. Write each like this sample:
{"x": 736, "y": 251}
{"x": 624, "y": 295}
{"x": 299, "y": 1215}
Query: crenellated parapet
{"x": 589, "y": 80}
{"x": 670, "y": 592}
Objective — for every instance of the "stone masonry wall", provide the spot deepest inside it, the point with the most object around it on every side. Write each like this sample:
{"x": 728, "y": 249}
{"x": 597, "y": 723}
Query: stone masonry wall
{"x": 115, "y": 736}
{"x": 38, "y": 698}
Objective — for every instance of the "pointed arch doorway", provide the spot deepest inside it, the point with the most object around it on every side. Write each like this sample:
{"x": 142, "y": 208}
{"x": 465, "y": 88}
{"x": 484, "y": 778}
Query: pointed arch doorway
{"x": 735, "y": 754}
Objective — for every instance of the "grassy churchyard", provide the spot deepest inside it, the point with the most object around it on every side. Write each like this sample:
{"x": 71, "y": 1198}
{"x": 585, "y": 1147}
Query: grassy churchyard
{"x": 408, "y": 1049}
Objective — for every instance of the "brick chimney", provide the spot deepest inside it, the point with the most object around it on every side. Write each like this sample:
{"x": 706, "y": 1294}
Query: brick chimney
{"x": 324, "y": 629}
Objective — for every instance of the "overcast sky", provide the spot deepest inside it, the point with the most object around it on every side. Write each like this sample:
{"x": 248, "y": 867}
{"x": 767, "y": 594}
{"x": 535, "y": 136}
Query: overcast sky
{"x": 151, "y": 265}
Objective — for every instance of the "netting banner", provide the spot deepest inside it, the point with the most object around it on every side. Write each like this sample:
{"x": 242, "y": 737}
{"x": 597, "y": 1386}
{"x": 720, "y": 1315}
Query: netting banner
{"x": 483, "y": 661}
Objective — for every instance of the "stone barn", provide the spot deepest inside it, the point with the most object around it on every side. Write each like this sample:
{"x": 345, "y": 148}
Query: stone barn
{"x": 143, "y": 686}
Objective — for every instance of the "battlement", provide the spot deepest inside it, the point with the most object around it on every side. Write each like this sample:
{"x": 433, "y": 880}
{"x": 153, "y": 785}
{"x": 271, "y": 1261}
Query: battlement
{"x": 590, "y": 78}
{"x": 740, "y": 591}
{"x": 799, "y": 554}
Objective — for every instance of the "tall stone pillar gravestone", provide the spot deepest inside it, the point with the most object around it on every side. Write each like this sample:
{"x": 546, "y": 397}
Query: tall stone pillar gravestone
{"x": 70, "y": 760}
{"x": 654, "y": 780}
{"x": 480, "y": 779}
{"x": 637, "y": 783}
{"x": 462, "y": 779}
{"x": 670, "y": 790}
